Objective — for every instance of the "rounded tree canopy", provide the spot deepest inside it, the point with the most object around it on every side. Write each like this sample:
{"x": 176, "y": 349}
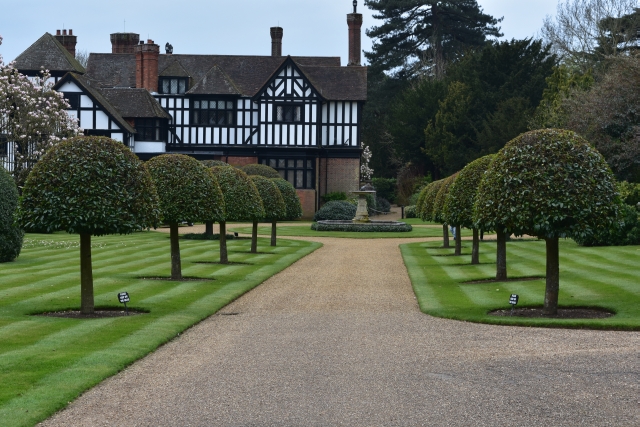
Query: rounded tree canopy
{"x": 291, "y": 199}
{"x": 10, "y": 235}
{"x": 548, "y": 183}
{"x": 441, "y": 198}
{"x": 187, "y": 189}
{"x": 241, "y": 198}
{"x": 458, "y": 208}
{"x": 214, "y": 163}
{"x": 89, "y": 185}
{"x": 430, "y": 192}
{"x": 272, "y": 201}
{"x": 262, "y": 170}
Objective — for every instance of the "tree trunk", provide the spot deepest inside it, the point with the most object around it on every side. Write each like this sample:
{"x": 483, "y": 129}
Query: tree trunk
{"x": 86, "y": 275}
{"x": 273, "y": 233}
{"x": 224, "y": 258}
{"x": 208, "y": 228}
{"x": 475, "y": 249}
{"x": 176, "y": 267}
{"x": 458, "y": 241}
{"x": 553, "y": 278}
{"x": 254, "y": 238}
{"x": 445, "y": 236}
{"x": 501, "y": 256}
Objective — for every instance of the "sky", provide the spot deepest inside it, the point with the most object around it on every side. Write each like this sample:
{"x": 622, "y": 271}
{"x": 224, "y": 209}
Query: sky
{"x": 225, "y": 27}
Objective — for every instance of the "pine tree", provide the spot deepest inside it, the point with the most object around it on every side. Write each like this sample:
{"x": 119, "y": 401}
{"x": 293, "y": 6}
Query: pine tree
{"x": 420, "y": 36}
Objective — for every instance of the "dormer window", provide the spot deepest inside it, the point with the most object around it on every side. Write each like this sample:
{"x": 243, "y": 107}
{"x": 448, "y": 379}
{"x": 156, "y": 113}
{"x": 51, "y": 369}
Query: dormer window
{"x": 173, "y": 85}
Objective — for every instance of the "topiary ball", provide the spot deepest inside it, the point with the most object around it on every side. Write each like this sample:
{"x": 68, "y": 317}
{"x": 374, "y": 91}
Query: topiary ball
{"x": 11, "y": 235}
{"x": 291, "y": 199}
{"x": 336, "y": 210}
{"x": 241, "y": 198}
{"x": 272, "y": 201}
{"x": 89, "y": 185}
{"x": 213, "y": 163}
{"x": 261, "y": 170}
{"x": 187, "y": 189}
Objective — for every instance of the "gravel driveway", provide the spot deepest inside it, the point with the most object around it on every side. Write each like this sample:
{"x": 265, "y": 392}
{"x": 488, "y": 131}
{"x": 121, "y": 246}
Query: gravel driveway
{"x": 338, "y": 339}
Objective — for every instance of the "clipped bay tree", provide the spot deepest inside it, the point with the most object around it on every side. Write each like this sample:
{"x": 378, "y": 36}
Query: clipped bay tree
{"x": 458, "y": 208}
{"x": 11, "y": 235}
{"x": 548, "y": 183}
{"x": 91, "y": 186}
{"x": 438, "y": 211}
{"x": 274, "y": 208}
{"x": 425, "y": 208}
{"x": 291, "y": 199}
{"x": 261, "y": 170}
{"x": 208, "y": 225}
{"x": 242, "y": 201}
{"x": 188, "y": 192}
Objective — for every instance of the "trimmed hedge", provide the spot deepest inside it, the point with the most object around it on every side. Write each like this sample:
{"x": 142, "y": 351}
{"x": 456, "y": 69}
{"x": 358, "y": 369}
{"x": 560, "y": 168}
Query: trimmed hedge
{"x": 89, "y": 185}
{"x": 383, "y": 204}
{"x": 260, "y": 170}
{"x": 385, "y": 187}
{"x": 290, "y": 197}
{"x": 363, "y": 227}
{"x": 335, "y": 195}
{"x": 187, "y": 189}
{"x": 625, "y": 231}
{"x": 410, "y": 212}
{"x": 11, "y": 236}
{"x": 241, "y": 198}
{"x": 272, "y": 201}
{"x": 214, "y": 163}
{"x": 336, "y": 210}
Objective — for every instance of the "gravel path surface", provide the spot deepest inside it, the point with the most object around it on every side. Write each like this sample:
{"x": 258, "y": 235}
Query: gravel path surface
{"x": 338, "y": 339}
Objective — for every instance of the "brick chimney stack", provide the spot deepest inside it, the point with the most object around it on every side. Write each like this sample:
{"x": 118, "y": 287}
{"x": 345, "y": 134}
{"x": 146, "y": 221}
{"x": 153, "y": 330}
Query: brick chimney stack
{"x": 67, "y": 40}
{"x": 354, "y": 20}
{"x": 147, "y": 65}
{"x": 276, "y": 41}
{"x": 124, "y": 42}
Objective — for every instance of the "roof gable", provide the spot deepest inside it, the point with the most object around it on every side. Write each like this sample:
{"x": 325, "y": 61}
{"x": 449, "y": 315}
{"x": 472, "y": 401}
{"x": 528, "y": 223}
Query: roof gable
{"x": 288, "y": 82}
{"x": 215, "y": 82}
{"x": 174, "y": 69}
{"x": 49, "y": 53}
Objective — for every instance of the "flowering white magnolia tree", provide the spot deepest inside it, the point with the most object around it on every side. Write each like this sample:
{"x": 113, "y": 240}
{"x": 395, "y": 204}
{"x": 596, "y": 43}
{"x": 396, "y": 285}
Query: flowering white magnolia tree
{"x": 33, "y": 118}
{"x": 365, "y": 171}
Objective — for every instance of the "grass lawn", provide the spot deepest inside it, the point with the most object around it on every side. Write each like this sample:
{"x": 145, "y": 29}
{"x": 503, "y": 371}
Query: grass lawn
{"x": 605, "y": 277}
{"x": 306, "y": 231}
{"x": 46, "y": 362}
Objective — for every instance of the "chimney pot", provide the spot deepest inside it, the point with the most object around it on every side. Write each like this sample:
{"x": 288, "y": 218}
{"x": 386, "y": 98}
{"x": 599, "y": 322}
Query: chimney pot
{"x": 68, "y": 41}
{"x": 276, "y": 41}
{"x": 64, "y": 32}
{"x": 57, "y": 32}
{"x": 70, "y": 32}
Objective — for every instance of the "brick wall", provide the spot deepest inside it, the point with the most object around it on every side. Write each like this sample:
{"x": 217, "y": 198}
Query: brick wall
{"x": 308, "y": 202}
{"x": 240, "y": 161}
{"x": 147, "y": 65}
{"x": 338, "y": 175}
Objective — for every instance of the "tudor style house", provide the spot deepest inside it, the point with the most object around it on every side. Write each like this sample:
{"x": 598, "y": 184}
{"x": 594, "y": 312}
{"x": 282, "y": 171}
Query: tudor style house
{"x": 299, "y": 115}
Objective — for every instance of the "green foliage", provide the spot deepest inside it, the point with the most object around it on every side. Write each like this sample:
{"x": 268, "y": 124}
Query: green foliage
{"x": 214, "y": 163}
{"x": 362, "y": 228}
{"x": 547, "y": 183}
{"x": 629, "y": 193}
{"x": 241, "y": 198}
{"x": 458, "y": 208}
{"x": 383, "y": 204}
{"x": 335, "y": 195}
{"x": 624, "y": 231}
{"x": 261, "y": 170}
{"x": 89, "y": 185}
{"x": 336, "y": 210}
{"x": 385, "y": 187}
{"x": 290, "y": 197}
{"x": 272, "y": 200}
{"x": 10, "y": 235}
{"x": 415, "y": 34}
{"x": 187, "y": 189}
{"x": 425, "y": 210}
{"x": 441, "y": 198}
{"x": 411, "y": 212}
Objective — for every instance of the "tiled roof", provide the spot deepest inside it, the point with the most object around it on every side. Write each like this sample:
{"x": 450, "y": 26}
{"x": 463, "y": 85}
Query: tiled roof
{"x": 215, "y": 81}
{"x": 94, "y": 91}
{"x": 134, "y": 103}
{"x": 49, "y": 53}
{"x": 247, "y": 74}
{"x": 174, "y": 69}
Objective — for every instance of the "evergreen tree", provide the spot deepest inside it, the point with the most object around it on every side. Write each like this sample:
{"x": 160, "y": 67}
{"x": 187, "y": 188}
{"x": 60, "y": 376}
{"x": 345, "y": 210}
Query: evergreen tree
{"x": 419, "y": 36}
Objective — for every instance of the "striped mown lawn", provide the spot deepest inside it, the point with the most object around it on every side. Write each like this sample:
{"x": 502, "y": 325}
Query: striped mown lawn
{"x": 46, "y": 362}
{"x": 605, "y": 277}
{"x": 306, "y": 231}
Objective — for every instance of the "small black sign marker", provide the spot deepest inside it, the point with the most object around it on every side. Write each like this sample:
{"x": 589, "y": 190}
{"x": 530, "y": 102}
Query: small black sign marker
{"x": 123, "y": 297}
{"x": 513, "y": 300}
